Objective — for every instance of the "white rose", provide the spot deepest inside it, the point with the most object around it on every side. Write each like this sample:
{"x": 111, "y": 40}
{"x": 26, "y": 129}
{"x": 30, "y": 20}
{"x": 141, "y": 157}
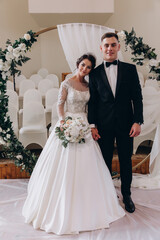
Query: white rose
{"x": 153, "y": 63}
{"x": 1, "y": 65}
{"x": 23, "y": 167}
{"x": 22, "y": 46}
{"x": 8, "y": 135}
{"x": 10, "y": 48}
{"x": 9, "y": 56}
{"x": 4, "y": 76}
{"x": 121, "y": 35}
{"x": 16, "y": 52}
{"x": 19, "y": 157}
{"x": 8, "y": 74}
{"x": 27, "y": 37}
{"x": 2, "y": 142}
{"x": 6, "y": 66}
{"x": 74, "y": 132}
{"x": 5, "y": 119}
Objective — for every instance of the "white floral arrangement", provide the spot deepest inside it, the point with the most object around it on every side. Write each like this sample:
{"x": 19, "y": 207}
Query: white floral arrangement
{"x": 72, "y": 131}
{"x": 11, "y": 58}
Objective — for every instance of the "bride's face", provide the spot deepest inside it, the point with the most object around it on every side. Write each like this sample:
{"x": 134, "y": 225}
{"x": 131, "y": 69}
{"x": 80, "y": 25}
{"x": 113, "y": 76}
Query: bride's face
{"x": 84, "y": 67}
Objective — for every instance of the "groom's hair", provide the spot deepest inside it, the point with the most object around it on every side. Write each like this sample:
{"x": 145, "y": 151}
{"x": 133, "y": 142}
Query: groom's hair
{"x": 109, "y": 35}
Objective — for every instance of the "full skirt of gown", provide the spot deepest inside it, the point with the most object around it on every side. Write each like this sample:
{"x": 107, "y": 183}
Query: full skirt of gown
{"x": 70, "y": 189}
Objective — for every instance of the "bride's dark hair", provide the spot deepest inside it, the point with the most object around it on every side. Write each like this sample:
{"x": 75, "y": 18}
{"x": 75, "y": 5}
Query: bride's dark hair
{"x": 88, "y": 56}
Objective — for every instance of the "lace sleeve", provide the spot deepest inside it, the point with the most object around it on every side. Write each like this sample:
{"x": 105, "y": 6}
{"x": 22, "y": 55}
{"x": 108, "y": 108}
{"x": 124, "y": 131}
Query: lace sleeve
{"x": 62, "y": 96}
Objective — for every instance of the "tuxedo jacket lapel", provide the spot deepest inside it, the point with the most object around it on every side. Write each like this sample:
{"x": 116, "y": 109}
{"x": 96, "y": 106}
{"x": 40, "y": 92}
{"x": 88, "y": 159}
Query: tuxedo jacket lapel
{"x": 119, "y": 77}
{"x": 104, "y": 78}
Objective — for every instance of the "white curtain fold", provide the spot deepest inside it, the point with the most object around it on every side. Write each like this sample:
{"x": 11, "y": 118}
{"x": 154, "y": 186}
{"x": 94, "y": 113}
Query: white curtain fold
{"x": 80, "y": 38}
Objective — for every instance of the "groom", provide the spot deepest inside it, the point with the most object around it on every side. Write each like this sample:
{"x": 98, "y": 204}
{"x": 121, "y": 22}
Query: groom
{"x": 116, "y": 110}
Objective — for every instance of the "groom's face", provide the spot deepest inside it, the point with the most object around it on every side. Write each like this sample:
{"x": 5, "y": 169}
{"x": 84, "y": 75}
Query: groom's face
{"x": 109, "y": 48}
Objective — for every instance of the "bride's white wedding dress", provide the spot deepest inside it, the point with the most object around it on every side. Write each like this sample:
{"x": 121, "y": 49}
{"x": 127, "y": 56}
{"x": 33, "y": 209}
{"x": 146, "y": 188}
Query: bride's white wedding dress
{"x": 70, "y": 189}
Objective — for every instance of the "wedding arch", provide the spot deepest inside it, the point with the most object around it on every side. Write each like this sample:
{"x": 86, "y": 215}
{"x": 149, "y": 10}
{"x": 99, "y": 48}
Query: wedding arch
{"x": 14, "y": 56}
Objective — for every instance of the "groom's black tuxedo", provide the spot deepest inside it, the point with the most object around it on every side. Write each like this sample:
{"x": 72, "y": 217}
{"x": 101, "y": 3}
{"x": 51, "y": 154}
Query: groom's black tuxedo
{"x": 114, "y": 116}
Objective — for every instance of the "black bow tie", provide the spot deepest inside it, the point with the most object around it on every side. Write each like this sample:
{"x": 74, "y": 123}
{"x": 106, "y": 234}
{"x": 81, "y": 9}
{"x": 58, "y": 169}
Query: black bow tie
{"x": 110, "y": 63}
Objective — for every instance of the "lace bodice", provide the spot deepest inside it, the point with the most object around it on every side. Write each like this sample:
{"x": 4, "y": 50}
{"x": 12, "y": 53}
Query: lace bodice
{"x": 74, "y": 96}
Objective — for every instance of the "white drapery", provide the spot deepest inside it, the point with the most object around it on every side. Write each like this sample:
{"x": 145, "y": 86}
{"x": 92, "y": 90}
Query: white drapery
{"x": 80, "y": 38}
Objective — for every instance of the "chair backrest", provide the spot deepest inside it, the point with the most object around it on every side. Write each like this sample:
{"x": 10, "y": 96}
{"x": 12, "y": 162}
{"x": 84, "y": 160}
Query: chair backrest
{"x": 32, "y": 95}
{"x": 51, "y": 97}
{"x": 36, "y": 78}
{"x": 43, "y": 72}
{"x": 34, "y": 115}
{"x": 10, "y": 85}
{"x": 54, "y": 78}
{"x": 12, "y": 112}
{"x": 44, "y": 85}
{"x": 25, "y": 85}
{"x": 54, "y": 114}
{"x": 18, "y": 80}
{"x": 13, "y": 98}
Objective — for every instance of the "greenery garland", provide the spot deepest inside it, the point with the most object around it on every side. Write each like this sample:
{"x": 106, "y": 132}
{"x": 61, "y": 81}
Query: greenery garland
{"x": 10, "y": 58}
{"x": 143, "y": 54}
{"x": 14, "y": 56}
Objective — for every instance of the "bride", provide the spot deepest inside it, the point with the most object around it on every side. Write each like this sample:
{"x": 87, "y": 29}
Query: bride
{"x": 70, "y": 189}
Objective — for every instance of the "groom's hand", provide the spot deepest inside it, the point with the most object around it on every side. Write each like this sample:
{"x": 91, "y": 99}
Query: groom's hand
{"x": 95, "y": 134}
{"x": 135, "y": 130}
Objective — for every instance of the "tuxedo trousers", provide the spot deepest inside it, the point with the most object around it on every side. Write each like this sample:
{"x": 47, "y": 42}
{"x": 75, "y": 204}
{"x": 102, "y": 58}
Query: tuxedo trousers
{"x": 125, "y": 149}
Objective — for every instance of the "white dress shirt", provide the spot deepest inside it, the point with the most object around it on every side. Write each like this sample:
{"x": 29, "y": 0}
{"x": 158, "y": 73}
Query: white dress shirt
{"x": 111, "y": 73}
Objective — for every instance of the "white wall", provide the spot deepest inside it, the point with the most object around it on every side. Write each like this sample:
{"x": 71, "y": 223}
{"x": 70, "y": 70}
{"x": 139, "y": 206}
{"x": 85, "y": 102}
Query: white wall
{"x": 144, "y": 16}
{"x": 71, "y": 6}
{"x": 53, "y": 57}
{"x": 15, "y": 21}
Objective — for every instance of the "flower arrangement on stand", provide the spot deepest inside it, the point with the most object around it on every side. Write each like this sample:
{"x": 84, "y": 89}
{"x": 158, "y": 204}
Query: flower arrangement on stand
{"x": 10, "y": 59}
{"x": 142, "y": 53}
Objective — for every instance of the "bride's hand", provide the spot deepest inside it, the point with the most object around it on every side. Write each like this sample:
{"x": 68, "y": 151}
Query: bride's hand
{"x": 61, "y": 122}
{"x": 95, "y": 134}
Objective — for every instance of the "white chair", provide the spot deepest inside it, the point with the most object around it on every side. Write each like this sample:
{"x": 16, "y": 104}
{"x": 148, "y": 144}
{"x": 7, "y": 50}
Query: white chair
{"x": 31, "y": 95}
{"x": 12, "y": 112}
{"x": 50, "y": 98}
{"x": 36, "y": 78}
{"x": 13, "y": 98}
{"x": 141, "y": 79}
{"x": 18, "y": 80}
{"x": 54, "y": 79}
{"x": 34, "y": 125}
{"x": 44, "y": 85}
{"x": 43, "y": 72}
{"x": 54, "y": 117}
{"x": 25, "y": 85}
{"x": 10, "y": 85}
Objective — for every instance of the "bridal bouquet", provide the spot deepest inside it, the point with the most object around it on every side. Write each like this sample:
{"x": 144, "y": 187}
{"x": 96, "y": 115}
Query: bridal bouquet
{"x": 72, "y": 130}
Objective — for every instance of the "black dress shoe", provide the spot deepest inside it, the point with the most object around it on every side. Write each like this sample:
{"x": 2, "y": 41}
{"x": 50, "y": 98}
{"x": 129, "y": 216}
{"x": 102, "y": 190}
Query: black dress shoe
{"x": 129, "y": 205}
